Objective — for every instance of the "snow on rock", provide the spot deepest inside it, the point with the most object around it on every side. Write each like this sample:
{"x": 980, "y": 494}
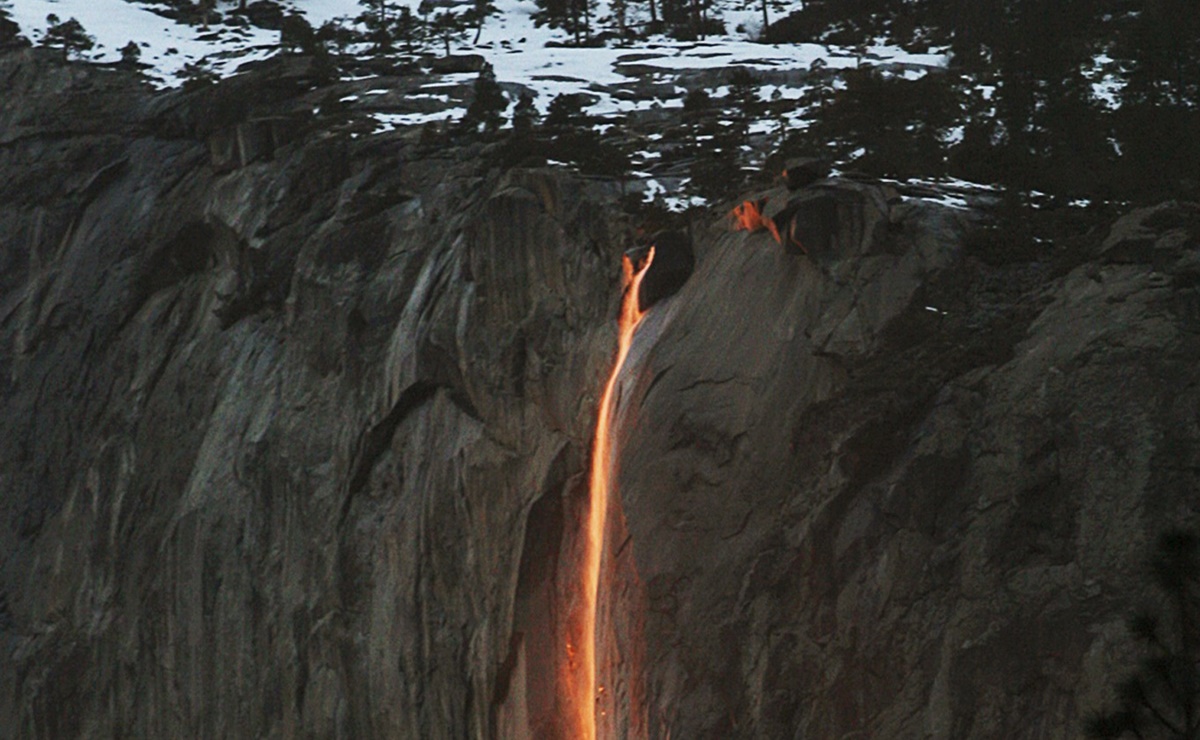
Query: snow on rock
{"x": 619, "y": 81}
{"x": 515, "y": 47}
{"x": 166, "y": 45}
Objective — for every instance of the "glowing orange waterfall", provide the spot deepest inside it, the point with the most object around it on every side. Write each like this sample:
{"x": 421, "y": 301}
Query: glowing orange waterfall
{"x": 584, "y": 677}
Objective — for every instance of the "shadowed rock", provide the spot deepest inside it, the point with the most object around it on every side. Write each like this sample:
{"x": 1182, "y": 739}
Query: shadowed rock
{"x": 802, "y": 172}
{"x": 833, "y": 222}
{"x": 673, "y": 265}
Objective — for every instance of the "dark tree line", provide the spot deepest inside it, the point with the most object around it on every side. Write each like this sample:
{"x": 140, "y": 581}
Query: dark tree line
{"x": 1042, "y": 125}
{"x": 389, "y": 25}
{"x": 683, "y": 19}
{"x": 573, "y": 16}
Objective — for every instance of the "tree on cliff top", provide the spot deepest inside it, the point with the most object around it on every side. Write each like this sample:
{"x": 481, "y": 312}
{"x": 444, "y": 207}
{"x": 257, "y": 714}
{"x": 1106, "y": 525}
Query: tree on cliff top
{"x": 67, "y": 35}
{"x": 1162, "y": 699}
{"x": 487, "y": 107}
{"x": 131, "y": 54}
{"x": 525, "y": 115}
{"x": 10, "y": 32}
{"x": 377, "y": 17}
{"x": 479, "y": 12}
{"x": 409, "y": 28}
{"x": 295, "y": 32}
{"x": 377, "y": 13}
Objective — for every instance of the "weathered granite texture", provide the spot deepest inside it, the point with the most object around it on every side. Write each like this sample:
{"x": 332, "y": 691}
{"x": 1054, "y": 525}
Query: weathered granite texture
{"x": 293, "y": 428}
{"x": 911, "y": 495}
{"x": 271, "y": 435}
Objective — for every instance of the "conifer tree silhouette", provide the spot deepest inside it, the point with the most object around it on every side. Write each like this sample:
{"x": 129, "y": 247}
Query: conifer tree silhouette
{"x": 67, "y": 35}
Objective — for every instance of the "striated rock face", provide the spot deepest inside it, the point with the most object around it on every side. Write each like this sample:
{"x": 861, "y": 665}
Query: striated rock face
{"x": 294, "y": 428}
{"x": 272, "y": 437}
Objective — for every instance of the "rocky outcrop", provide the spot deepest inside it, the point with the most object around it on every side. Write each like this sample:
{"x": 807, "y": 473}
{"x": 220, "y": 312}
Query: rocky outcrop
{"x": 294, "y": 437}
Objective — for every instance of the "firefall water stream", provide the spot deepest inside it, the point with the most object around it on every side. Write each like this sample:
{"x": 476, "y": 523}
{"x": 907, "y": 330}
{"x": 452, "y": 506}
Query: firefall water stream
{"x": 584, "y": 677}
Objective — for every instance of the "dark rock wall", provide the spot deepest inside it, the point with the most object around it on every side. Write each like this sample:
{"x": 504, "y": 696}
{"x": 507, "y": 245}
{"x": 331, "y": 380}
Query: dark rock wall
{"x": 293, "y": 445}
{"x": 272, "y": 437}
{"x": 858, "y": 516}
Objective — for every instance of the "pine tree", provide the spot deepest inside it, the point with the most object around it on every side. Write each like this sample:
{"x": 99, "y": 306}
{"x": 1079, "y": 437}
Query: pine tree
{"x": 480, "y": 11}
{"x": 131, "y": 53}
{"x": 336, "y": 35}
{"x": 524, "y": 115}
{"x": 551, "y": 13}
{"x": 697, "y": 103}
{"x": 572, "y": 16}
{"x": 744, "y": 90}
{"x": 486, "y": 110}
{"x": 196, "y": 12}
{"x": 408, "y": 28}
{"x": 715, "y": 170}
{"x": 67, "y": 35}
{"x": 523, "y": 145}
{"x": 446, "y": 26}
{"x": 701, "y": 23}
{"x": 766, "y": 17}
{"x": 379, "y": 11}
{"x": 620, "y": 14}
{"x": 295, "y": 32}
{"x": 565, "y": 112}
{"x": 196, "y": 75}
{"x": 1158, "y": 47}
{"x": 206, "y": 9}
{"x": 605, "y": 158}
{"x": 581, "y": 19}
{"x": 653, "y": 15}
{"x": 376, "y": 17}
{"x": 10, "y": 32}
{"x": 674, "y": 13}
{"x": 571, "y": 137}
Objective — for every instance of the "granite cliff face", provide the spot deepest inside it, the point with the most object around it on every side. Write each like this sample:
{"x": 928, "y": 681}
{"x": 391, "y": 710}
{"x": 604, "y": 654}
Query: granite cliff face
{"x": 272, "y": 435}
{"x": 865, "y": 517}
{"x": 295, "y": 431}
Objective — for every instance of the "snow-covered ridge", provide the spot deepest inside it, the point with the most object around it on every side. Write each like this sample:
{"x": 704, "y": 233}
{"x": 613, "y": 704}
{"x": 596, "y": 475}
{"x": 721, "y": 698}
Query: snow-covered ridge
{"x": 617, "y": 81}
{"x": 510, "y": 42}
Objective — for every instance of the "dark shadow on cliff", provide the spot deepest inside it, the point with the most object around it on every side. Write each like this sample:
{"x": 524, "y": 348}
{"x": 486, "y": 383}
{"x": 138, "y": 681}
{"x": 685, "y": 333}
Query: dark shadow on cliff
{"x": 1161, "y": 699}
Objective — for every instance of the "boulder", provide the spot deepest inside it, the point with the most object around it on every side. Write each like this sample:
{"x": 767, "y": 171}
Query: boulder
{"x": 456, "y": 63}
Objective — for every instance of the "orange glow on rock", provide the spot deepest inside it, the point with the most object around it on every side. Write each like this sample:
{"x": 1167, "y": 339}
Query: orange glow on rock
{"x": 585, "y": 680}
{"x": 749, "y": 217}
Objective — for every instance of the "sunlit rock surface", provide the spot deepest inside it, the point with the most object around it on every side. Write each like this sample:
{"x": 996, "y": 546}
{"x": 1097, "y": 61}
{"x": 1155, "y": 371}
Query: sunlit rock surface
{"x": 294, "y": 432}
